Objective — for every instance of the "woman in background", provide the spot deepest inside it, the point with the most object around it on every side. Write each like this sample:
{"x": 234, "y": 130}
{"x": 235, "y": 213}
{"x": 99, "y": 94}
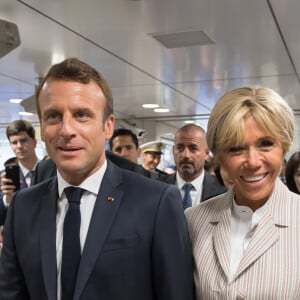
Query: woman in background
{"x": 292, "y": 173}
{"x": 246, "y": 241}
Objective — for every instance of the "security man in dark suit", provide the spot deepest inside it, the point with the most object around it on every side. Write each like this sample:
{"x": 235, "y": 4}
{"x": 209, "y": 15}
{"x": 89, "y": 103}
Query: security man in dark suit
{"x": 190, "y": 152}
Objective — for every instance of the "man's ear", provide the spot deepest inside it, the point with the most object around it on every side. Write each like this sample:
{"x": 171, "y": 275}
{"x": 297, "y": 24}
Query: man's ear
{"x": 109, "y": 126}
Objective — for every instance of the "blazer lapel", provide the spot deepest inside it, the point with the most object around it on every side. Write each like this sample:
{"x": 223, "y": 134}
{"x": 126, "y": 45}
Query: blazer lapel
{"x": 48, "y": 238}
{"x": 265, "y": 236}
{"x": 106, "y": 207}
{"x": 267, "y": 232}
{"x": 221, "y": 235}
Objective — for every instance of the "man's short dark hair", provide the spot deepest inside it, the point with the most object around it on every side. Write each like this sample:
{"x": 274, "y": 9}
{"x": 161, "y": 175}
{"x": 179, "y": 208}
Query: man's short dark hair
{"x": 124, "y": 132}
{"x": 19, "y": 126}
{"x": 73, "y": 69}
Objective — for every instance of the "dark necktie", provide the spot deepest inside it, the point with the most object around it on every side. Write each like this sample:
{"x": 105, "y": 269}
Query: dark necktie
{"x": 187, "y": 199}
{"x": 71, "y": 252}
{"x": 31, "y": 176}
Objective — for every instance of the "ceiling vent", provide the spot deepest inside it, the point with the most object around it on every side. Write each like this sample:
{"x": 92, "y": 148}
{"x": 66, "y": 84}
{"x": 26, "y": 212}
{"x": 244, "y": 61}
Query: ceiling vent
{"x": 9, "y": 37}
{"x": 183, "y": 39}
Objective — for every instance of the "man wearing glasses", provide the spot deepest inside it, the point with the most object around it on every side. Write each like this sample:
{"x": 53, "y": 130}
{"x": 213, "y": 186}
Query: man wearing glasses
{"x": 21, "y": 136}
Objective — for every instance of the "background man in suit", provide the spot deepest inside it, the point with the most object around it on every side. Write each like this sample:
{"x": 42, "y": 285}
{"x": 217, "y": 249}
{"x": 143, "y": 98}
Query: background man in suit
{"x": 133, "y": 240}
{"x": 125, "y": 144}
{"x": 21, "y": 136}
{"x": 190, "y": 152}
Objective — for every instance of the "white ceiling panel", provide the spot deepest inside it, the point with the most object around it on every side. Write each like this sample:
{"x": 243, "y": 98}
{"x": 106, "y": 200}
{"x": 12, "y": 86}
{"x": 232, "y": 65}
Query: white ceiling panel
{"x": 255, "y": 43}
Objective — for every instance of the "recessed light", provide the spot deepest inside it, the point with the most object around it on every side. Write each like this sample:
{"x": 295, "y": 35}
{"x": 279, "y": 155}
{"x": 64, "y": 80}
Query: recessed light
{"x": 161, "y": 110}
{"x": 18, "y": 101}
{"x": 25, "y": 113}
{"x": 189, "y": 121}
{"x": 150, "y": 105}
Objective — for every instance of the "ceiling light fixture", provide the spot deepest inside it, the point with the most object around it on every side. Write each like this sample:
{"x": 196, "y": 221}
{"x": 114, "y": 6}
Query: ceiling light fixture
{"x": 17, "y": 101}
{"x": 161, "y": 110}
{"x": 25, "y": 113}
{"x": 150, "y": 105}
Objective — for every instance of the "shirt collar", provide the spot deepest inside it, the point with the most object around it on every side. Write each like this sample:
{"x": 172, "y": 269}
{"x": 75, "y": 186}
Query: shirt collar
{"x": 197, "y": 182}
{"x": 24, "y": 170}
{"x": 245, "y": 213}
{"x": 90, "y": 184}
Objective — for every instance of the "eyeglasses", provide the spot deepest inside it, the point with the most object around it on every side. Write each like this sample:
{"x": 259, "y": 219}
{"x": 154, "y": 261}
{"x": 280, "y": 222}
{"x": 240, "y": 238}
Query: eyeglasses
{"x": 22, "y": 141}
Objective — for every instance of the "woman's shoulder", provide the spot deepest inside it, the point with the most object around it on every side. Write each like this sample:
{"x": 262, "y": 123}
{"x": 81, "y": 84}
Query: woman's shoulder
{"x": 210, "y": 208}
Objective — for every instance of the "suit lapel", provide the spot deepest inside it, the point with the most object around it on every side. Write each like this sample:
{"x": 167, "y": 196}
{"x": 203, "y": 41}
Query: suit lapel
{"x": 221, "y": 235}
{"x": 206, "y": 187}
{"x": 267, "y": 232}
{"x": 265, "y": 236}
{"x": 103, "y": 216}
{"x": 48, "y": 238}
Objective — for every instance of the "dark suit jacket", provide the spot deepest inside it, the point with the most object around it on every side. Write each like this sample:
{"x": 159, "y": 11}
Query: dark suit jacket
{"x": 211, "y": 185}
{"x": 47, "y": 168}
{"x": 137, "y": 247}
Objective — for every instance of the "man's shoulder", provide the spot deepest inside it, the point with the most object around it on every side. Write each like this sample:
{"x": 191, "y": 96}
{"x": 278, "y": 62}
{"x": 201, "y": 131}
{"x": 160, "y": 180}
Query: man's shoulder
{"x": 145, "y": 185}
{"x": 211, "y": 207}
{"x": 44, "y": 188}
{"x": 137, "y": 177}
{"x": 167, "y": 178}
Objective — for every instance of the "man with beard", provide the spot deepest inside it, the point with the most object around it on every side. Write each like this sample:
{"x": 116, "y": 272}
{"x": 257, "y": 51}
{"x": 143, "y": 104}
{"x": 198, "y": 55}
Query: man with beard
{"x": 190, "y": 152}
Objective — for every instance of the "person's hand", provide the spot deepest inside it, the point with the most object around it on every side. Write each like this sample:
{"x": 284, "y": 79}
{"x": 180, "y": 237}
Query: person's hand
{"x": 7, "y": 187}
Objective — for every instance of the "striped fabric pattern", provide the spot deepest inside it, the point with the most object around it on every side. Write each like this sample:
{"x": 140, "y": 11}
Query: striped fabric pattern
{"x": 270, "y": 268}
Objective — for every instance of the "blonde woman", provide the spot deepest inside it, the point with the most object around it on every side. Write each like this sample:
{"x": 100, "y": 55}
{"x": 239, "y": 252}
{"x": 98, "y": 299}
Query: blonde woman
{"x": 246, "y": 242}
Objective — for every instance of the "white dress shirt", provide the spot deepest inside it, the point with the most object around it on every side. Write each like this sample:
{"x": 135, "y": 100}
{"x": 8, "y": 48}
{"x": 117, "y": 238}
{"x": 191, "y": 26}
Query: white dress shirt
{"x": 91, "y": 186}
{"x": 26, "y": 172}
{"x": 196, "y": 191}
{"x": 243, "y": 224}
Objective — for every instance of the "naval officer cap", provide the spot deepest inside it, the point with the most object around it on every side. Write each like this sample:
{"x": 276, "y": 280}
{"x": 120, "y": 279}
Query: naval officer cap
{"x": 152, "y": 147}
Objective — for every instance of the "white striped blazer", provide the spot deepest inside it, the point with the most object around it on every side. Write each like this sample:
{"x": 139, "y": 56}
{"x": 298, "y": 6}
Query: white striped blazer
{"x": 270, "y": 268}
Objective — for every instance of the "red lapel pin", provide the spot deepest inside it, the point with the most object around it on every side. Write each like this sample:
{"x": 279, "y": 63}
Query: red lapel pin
{"x": 110, "y": 198}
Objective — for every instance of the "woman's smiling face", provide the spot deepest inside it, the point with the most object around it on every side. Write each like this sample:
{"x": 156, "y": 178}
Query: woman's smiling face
{"x": 254, "y": 166}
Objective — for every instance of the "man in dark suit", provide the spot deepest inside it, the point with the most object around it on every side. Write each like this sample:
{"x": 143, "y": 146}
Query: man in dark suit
{"x": 133, "y": 241}
{"x": 190, "y": 152}
{"x": 21, "y": 137}
{"x": 125, "y": 143}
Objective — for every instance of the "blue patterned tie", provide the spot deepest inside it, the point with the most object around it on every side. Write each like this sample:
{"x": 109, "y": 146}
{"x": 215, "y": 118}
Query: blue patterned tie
{"x": 187, "y": 199}
{"x": 71, "y": 252}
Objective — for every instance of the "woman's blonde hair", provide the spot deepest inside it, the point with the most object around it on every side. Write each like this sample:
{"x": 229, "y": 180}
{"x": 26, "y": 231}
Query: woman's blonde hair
{"x": 271, "y": 112}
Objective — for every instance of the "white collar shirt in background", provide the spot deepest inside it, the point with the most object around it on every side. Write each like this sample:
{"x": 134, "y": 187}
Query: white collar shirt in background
{"x": 26, "y": 172}
{"x": 196, "y": 191}
{"x": 91, "y": 185}
{"x": 243, "y": 224}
